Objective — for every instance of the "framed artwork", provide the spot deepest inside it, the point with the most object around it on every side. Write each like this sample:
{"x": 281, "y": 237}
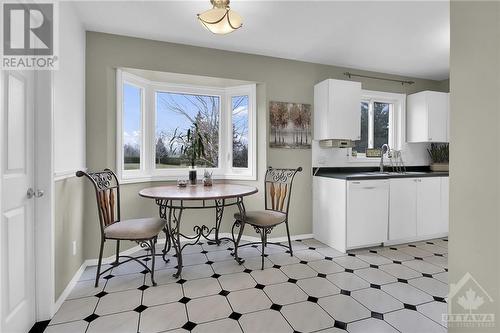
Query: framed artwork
{"x": 290, "y": 125}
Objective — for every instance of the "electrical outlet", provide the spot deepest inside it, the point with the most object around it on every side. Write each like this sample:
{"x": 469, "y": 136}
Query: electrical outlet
{"x": 74, "y": 248}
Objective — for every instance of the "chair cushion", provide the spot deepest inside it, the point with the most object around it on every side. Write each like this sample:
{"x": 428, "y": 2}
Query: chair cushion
{"x": 263, "y": 218}
{"x": 144, "y": 228}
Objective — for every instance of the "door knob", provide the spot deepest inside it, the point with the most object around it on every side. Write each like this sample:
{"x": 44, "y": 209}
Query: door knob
{"x": 31, "y": 193}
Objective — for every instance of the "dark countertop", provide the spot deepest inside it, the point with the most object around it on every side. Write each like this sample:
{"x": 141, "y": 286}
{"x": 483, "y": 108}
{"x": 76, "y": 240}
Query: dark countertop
{"x": 366, "y": 173}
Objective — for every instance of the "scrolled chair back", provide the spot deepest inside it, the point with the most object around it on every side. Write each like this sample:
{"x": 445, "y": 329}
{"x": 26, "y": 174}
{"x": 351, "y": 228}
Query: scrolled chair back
{"x": 107, "y": 191}
{"x": 278, "y": 188}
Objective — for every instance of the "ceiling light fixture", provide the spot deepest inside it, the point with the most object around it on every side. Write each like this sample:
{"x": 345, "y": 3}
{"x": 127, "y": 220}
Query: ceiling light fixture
{"x": 220, "y": 19}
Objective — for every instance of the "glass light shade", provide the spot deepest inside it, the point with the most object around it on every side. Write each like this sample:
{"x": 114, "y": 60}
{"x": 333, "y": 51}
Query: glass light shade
{"x": 220, "y": 20}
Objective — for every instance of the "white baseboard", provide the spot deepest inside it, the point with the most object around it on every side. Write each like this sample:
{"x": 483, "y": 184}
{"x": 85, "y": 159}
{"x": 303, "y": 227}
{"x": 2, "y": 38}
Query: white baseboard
{"x": 68, "y": 288}
{"x": 415, "y": 239}
{"x": 108, "y": 260}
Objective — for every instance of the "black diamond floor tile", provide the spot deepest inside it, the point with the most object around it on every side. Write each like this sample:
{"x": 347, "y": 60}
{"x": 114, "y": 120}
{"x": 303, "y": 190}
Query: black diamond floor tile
{"x": 373, "y": 266}
{"x": 224, "y": 293}
{"x": 247, "y": 271}
{"x": 374, "y": 286}
{"x": 312, "y": 299}
{"x": 439, "y": 299}
{"x": 377, "y": 315}
{"x": 109, "y": 276}
{"x": 329, "y": 258}
{"x": 276, "y": 307}
{"x": 345, "y": 292}
{"x": 209, "y": 262}
{"x": 235, "y": 315}
{"x": 321, "y": 275}
{"x": 91, "y": 318}
{"x": 427, "y": 275}
{"x": 292, "y": 280}
{"x": 348, "y": 270}
{"x": 189, "y": 326}
{"x": 140, "y": 308}
{"x": 397, "y": 262}
{"x": 259, "y": 286}
{"x": 143, "y": 287}
{"x": 101, "y": 294}
{"x": 312, "y": 248}
{"x": 184, "y": 300}
{"x": 181, "y": 281}
{"x": 303, "y": 262}
{"x": 144, "y": 271}
{"x": 341, "y": 325}
{"x": 216, "y": 276}
{"x": 402, "y": 280}
{"x": 410, "y": 307}
{"x": 277, "y": 266}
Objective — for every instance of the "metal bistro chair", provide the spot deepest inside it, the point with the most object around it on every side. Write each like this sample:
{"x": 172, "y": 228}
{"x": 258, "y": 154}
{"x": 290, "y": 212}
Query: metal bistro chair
{"x": 278, "y": 182}
{"x": 144, "y": 231}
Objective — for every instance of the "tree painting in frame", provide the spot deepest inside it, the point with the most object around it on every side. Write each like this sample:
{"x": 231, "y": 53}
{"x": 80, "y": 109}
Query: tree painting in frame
{"x": 290, "y": 125}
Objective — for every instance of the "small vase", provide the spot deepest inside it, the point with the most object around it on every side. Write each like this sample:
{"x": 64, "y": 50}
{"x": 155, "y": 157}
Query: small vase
{"x": 192, "y": 177}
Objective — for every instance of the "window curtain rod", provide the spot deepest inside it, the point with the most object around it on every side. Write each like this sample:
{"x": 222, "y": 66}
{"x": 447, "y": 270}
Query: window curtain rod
{"x": 349, "y": 74}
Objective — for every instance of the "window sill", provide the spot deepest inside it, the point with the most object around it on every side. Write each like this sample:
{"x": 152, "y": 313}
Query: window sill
{"x": 151, "y": 179}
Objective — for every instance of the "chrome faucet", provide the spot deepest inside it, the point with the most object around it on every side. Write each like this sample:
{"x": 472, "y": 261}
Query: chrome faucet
{"x": 384, "y": 149}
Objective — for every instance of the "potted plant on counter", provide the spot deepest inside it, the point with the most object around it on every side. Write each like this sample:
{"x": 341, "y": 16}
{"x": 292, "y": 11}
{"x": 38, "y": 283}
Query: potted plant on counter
{"x": 192, "y": 146}
{"x": 440, "y": 156}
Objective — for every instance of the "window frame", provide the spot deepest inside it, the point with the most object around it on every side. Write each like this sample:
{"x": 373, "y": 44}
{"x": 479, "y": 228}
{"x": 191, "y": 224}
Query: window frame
{"x": 397, "y": 116}
{"x": 148, "y": 170}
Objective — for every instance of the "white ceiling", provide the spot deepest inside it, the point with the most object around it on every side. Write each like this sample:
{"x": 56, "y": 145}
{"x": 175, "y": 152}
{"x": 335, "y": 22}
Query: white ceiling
{"x": 408, "y": 38}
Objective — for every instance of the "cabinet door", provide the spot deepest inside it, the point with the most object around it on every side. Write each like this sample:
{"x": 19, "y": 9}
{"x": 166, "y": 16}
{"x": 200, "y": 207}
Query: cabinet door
{"x": 437, "y": 109}
{"x": 367, "y": 212}
{"x": 445, "y": 204}
{"x": 403, "y": 208}
{"x": 345, "y": 109}
{"x": 428, "y": 206}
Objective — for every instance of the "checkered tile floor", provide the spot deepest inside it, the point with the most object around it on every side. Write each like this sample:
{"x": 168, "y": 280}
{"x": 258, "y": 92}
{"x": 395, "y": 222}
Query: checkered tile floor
{"x": 385, "y": 289}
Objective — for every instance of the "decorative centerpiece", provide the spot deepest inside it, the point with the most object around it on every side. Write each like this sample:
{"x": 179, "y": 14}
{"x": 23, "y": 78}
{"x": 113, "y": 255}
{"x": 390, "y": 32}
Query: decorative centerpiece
{"x": 440, "y": 156}
{"x": 207, "y": 178}
{"x": 192, "y": 146}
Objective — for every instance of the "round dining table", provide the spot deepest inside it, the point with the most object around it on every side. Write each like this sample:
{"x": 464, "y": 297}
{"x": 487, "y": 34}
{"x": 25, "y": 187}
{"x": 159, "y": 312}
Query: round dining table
{"x": 172, "y": 200}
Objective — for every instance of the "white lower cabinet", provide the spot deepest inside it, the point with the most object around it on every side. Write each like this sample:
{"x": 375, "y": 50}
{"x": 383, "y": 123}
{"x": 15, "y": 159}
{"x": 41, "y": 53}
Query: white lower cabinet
{"x": 353, "y": 214}
{"x": 367, "y": 212}
{"x": 428, "y": 206}
{"x": 403, "y": 208}
{"x": 418, "y": 208}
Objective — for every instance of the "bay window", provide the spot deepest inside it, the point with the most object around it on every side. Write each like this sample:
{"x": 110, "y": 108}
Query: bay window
{"x": 151, "y": 114}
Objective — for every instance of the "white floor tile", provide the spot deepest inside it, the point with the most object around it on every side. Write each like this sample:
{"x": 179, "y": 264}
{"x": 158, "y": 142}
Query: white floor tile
{"x": 201, "y": 287}
{"x": 162, "y": 294}
{"x": 285, "y": 293}
{"x": 269, "y": 276}
{"x": 435, "y": 311}
{"x": 375, "y": 276}
{"x": 73, "y": 327}
{"x": 249, "y": 300}
{"x": 125, "y": 322}
{"x": 298, "y": 271}
{"x": 348, "y": 281}
{"x": 406, "y": 293}
{"x": 208, "y": 308}
{"x": 307, "y": 317}
{"x": 410, "y": 321}
{"x": 119, "y": 302}
{"x": 376, "y": 300}
{"x": 400, "y": 271}
{"x": 370, "y": 325}
{"x": 318, "y": 287}
{"x": 218, "y": 326}
{"x": 433, "y": 287}
{"x": 163, "y": 318}
{"x": 344, "y": 308}
{"x": 326, "y": 266}
{"x": 266, "y": 321}
{"x": 237, "y": 281}
{"x": 75, "y": 309}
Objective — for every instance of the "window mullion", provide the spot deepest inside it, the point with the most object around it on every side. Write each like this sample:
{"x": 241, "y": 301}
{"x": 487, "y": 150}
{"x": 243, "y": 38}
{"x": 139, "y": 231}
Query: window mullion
{"x": 371, "y": 125}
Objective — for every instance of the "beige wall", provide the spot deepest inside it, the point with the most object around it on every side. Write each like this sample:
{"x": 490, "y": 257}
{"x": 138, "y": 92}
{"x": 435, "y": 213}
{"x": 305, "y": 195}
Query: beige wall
{"x": 68, "y": 227}
{"x": 474, "y": 151}
{"x": 280, "y": 80}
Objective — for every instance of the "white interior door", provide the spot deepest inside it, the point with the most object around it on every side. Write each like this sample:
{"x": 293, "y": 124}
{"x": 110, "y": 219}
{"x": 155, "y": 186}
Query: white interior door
{"x": 17, "y": 221}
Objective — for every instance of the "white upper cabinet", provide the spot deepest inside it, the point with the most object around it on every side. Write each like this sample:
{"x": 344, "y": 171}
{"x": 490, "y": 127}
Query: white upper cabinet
{"x": 337, "y": 110}
{"x": 427, "y": 117}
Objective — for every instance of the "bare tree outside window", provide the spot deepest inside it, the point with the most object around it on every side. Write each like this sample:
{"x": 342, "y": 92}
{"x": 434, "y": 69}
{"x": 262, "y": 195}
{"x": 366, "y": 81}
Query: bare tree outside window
{"x": 240, "y": 131}
{"x": 175, "y": 114}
